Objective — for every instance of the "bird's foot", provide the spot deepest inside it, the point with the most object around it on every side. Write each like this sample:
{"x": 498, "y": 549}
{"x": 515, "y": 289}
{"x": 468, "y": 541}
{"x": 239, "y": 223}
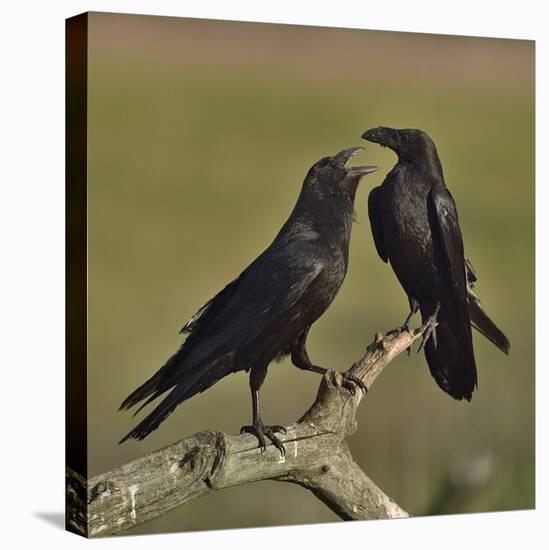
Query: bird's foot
{"x": 261, "y": 432}
{"x": 350, "y": 382}
{"x": 405, "y": 327}
{"x": 399, "y": 330}
{"x": 430, "y": 330}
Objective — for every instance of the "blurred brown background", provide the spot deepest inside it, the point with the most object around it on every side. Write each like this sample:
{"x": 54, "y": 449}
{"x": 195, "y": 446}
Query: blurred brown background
{"x": 200, "y": 134}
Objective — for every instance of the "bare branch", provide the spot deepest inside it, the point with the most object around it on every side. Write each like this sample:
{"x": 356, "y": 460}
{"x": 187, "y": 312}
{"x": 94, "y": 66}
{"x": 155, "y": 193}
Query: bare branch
{"x": 317, "y": 458}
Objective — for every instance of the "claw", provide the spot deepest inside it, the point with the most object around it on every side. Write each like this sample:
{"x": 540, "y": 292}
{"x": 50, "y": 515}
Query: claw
{"x": 350, "y": 382}
{"x": 260, "y": 431}
{"x": 406, "y": 325}
{"x": 399, "y": 330}
{"x": 277, "y": 428}
{"x": 270, "y": 433}
{"x": 430, "y": 330}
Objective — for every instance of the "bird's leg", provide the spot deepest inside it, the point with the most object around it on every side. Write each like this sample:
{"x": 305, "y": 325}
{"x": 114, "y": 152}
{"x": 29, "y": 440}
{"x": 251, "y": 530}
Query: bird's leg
{"x": 414, "y": 307}
{"x": 258, "y": 428}
{"x": 300, "y": 358}
{"x": 430, "y": 330}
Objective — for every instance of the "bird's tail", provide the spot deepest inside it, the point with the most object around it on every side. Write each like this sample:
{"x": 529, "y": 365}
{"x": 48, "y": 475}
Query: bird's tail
{"x": 185, "y": 382}
{"x": 479, "y": 318}
{"x": 147, "y": 389}
{"x": 485, "y": 325}
{"x": 452, "y": 361}
{"x": 157, "y": 384}
{"x": 192, "y": 383}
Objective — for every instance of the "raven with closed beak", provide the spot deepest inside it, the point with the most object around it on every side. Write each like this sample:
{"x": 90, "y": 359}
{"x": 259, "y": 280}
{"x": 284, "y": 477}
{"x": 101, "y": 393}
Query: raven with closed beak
{"x": 267, "y": 311}
{"x": 415, "y": 226}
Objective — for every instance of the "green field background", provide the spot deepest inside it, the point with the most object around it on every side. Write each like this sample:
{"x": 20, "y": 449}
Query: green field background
{"x": 200, "y": 135}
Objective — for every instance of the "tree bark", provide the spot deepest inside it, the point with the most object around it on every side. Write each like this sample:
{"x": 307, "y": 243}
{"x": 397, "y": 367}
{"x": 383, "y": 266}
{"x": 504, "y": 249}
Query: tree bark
{"x": 317, "y": 458}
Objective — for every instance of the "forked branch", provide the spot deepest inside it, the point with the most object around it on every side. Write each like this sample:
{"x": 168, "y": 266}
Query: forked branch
{"x": 317, "y": 458}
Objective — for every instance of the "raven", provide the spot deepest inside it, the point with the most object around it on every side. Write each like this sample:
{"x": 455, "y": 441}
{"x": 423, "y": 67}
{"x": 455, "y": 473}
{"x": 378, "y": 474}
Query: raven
{"x": 266, "y": 312}
{"x": 415, "y": 226}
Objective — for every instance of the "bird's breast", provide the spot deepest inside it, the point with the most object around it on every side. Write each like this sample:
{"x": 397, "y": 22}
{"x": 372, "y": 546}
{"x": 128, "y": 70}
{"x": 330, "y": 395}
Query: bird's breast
{"x": 408, "y": 234}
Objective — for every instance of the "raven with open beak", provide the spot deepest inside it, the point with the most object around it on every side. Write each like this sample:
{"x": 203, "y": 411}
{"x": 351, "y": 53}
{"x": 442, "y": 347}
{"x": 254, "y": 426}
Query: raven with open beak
{"x": 267, "y": 311}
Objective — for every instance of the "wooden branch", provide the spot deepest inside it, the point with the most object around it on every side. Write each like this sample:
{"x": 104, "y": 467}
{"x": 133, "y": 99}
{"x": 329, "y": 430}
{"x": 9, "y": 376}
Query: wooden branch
{"x": 317, "y": 458}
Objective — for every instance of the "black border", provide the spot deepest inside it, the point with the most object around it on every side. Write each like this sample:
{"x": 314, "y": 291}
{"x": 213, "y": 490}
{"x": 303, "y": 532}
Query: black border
{"x": 76, "y": 126}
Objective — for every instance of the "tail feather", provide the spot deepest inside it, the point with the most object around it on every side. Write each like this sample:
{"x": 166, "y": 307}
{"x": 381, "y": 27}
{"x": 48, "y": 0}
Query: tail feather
{"x": 479, "y": 318}
{"x": 193, "y": 383}
{"x": 185, "y": 382}
{"x": 155, "y": 385}
{"x": 142, "y": 392}
{"x": 452, "y": 362}
{"x": 485, "y": 325}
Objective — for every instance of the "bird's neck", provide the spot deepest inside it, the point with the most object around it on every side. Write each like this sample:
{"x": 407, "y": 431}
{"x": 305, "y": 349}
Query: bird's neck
{"x": 424, "y": 170}
{"x": 324, "y": 220}
{"x": 334, "y": 220}
{"x": 427, "y": 166}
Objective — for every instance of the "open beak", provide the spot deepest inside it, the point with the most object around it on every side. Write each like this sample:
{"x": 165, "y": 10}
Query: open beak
{"x": 344, "y": 156}
{"x": 363, "y": 170}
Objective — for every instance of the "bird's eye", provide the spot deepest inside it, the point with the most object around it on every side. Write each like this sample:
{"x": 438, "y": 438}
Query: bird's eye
{"x": 406, "y": 137}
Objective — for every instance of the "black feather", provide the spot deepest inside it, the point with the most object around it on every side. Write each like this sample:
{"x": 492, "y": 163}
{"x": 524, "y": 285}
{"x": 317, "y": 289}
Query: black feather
{"x": 261, "y": 314}
{"x": 415, "y": 226}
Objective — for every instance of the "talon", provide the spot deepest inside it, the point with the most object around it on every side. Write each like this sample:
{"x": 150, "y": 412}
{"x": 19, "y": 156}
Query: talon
{"x": 406, "y": 325}
{"x": 399, "y": 330}
{"x": 349, "y": 386}
{"x": 278, "y": 428}
{"x": 430, "y": 330}
{"x": 350, "y": 381}
{"x": 276, "y": 442}
{"x": 260, "y": 431}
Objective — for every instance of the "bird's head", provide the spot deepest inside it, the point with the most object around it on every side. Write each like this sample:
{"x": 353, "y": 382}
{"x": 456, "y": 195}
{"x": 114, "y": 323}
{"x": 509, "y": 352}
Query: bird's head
{"x": 409, "y": 144}
{"x": 331, "y": 177}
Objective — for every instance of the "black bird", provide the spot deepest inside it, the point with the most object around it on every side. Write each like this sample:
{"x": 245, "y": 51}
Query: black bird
{"x": 267, "y": 311}
{"x": 415, "y": 226}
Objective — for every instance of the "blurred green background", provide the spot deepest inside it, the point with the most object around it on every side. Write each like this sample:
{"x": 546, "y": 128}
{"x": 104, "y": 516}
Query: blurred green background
{"x": 200, "y": 134}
